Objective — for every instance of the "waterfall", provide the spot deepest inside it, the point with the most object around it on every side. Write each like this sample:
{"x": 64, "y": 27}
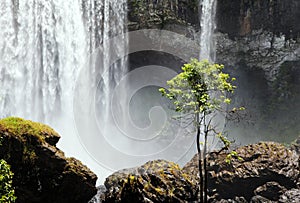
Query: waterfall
{"x": 45, "y": 46}
{"x": 105, "y": 20}
{"x": 41, "y": 45}
{"x": 207, "y": 24}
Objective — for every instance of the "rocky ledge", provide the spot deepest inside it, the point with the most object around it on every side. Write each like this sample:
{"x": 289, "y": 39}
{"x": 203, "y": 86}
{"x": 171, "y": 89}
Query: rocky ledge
{"x": 265, "y": 172}
{"x": 41, "y": 171}
{"x": 155, "y": 181}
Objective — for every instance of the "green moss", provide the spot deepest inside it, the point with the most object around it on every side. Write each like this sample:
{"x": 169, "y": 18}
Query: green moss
{"x": 20, "y": 127}
{"x": 29, "y": 155}
{"x": 27, "y": 132}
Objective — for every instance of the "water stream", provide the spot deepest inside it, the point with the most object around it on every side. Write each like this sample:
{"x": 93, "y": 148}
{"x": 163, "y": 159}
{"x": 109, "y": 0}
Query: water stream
{"x": 207, "y": 24}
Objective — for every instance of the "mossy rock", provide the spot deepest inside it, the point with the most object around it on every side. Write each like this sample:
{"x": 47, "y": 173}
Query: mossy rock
{"x": 22, "y": 128}
{"x": 155, "y": 181}
{"x": 42, "y": 173}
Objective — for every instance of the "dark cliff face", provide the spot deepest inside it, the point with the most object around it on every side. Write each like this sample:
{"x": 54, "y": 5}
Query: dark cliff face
{"x": 257, "y": 40}
{"x": 260, "y": 41}
{"x": 236, "y": 17}
{"x": 160, "y": 14}
{"x": 240, "y": 17}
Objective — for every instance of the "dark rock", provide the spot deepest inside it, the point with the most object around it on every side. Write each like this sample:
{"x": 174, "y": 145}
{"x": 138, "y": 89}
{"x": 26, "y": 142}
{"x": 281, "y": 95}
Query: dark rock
{"x": 267, "y": 71}
{"x": 258, "y": 40}
{"x": 98, "y": 198}
{"x": 263, "y": 162}
{"x": 290, "y": 196}
{"x": 296, "y": 145}
{"x": 270, "y": 190}
{"x": 260, "y": 199}
{"x": 41, "y": 171}
{"x": 238, "y": 18}
{"x": 235, "y": 200}
{"x": 160, "y": 14}
{"x": 155, "y": 181}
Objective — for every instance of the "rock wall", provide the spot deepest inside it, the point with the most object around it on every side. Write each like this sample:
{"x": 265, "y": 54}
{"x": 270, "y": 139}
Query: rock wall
{"x": 161, "y": 13}
{"x": 241, "y": 17}
{"x": 259, "y": 41}
{"x": 260, "y": 34}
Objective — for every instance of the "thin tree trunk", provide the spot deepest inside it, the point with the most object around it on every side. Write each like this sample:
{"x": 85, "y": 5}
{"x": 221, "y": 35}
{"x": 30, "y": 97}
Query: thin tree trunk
{"x": 205, "y": 165}
{"x": 199, "y": 159}
{"x": 204, "y": 158}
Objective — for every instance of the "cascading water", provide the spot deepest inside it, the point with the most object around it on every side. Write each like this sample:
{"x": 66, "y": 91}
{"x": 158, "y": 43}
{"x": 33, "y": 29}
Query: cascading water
{"x": 45, "y": 44}
{"x": 105, "y": 20}
{"x": 207, "y": 13}
{"x": 41, "y": 44}
{"x": 207, "y": 24}
{"x": 43, "y": 47}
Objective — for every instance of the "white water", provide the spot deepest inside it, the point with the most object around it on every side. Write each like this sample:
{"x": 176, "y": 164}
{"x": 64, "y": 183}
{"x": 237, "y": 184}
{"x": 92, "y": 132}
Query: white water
{"x": 207, "y": 24}
{"x": 41, "y": 44}
{"x": 43, "y": 47}
{"x": 104, "y": 20}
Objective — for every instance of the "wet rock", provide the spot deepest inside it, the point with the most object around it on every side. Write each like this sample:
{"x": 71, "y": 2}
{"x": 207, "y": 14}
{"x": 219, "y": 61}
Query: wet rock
{"x": 155, "y": 181}
{"x": 41, "y": 171}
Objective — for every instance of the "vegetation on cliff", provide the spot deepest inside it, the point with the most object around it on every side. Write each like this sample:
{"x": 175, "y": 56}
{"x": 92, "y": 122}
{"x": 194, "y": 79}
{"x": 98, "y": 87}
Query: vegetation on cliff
{"x": 7, "y": 192}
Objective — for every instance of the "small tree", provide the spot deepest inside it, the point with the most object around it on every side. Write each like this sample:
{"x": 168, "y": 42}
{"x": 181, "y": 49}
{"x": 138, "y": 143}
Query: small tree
{"x": 201, "y": 90}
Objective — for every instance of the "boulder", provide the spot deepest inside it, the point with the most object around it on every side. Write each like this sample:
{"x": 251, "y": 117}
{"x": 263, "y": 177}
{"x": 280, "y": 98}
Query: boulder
{"x": 262, "y": 172}
{"x": 262, "y": 164}
{"x": 41, "y": 171}
{"x": 292, "y": 195}
{"x": 155, "y": 181}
